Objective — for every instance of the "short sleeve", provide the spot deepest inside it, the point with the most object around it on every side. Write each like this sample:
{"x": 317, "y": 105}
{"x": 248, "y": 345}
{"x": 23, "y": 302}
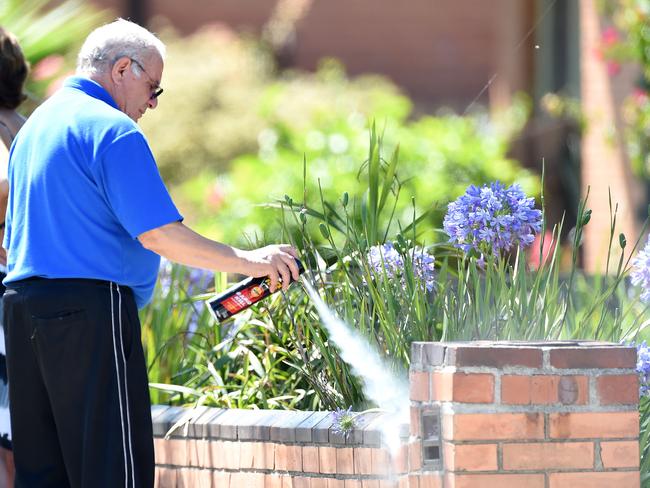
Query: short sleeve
{"x": 133, "y": 187}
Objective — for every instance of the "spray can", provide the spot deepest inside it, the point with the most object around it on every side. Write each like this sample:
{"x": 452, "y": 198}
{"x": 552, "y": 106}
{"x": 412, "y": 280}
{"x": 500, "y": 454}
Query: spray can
{"x": 242, "y": 295}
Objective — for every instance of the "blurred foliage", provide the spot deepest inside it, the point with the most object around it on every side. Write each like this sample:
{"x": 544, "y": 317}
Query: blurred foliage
{"x": 48, "y": 31}
{"x": 629, "y": 41}
{"x": 278, "y": 355}
{"x": 231, "y": 134}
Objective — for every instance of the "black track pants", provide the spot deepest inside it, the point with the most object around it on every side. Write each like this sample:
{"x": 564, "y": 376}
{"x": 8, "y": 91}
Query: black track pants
{"x": 79, "y": 398}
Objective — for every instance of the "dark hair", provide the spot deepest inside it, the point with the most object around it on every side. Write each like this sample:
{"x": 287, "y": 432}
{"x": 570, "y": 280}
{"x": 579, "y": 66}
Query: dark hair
{"x": 13, "y": 71}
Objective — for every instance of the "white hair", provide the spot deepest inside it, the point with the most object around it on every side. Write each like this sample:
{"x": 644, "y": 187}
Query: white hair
{"x": 116, "y": 40}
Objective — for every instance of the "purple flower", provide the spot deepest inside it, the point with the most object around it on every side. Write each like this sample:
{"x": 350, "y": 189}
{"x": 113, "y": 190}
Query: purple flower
{"x": 343, "y": 422}
{"x": 386, "y": 260}
{"x": 423, "y": 267}
{"x": 643, "y": 368}
{"x": 165, "y": 276}
{"x": 640, "y": 273}
{"x": 492, "y": 218}
{"x": 198, "y": 280}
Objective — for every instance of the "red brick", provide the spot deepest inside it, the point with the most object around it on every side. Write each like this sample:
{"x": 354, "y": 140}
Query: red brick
{"x": 441, "y": 386}
{"x": 246, "y": 454}
{"x": 548, "y": 455}
{"x": 271, "y": 480}
{"x": 544, "y": 390}
{"x": 495, "y": 356}
{"x": 288, "y": 458}
{"x": 327, "y": 459}
{"x": 300, "y": 482}
{"x": 430, "y": 481}
{"x": 201, "y": 454}
{"x": 419, "y": 386}
{"x": 318, "y": 482}
{"x": 415, "y": 455}
{"x": 176, "y": 451}
{"x": 249, "y": 480}
{"x": 344, "y": 460}
{"x": 629, "y": 479}
{"x": 165, "y": 477}
{"x": 334, "y": 483}
{"x": 502, "y": 426}
{"x": 352, "y": 484}
{"x": 573, "y": 390}
{"x": 414, "y": 481}
{"x": 618, "y": 389}
{"x": 404, "y": 482}
{"x": 594, "y": 425}
{"x": 462, "y": 387}
{"x": 380, "y": 461}
{"x": 623, "y": 454}
{"x": 162, "y": 451}
{"x": 370, "y": 484}
{"x": 593, "y": 357}
{"x": 415, "y": 421}
{"x": 399, "y": 460}
{"x": 496, "y": 480}
{"x": 219, "y": 478}
{"x": 388, "y": 484}
{"x": 515, "y": 389}
{"x": 237, "y": 479}
{"x": 310, "y": 459}
{"x": 225, "y": 454}
{"x": 363, "y": 460}
{"x": 470, "y": 457}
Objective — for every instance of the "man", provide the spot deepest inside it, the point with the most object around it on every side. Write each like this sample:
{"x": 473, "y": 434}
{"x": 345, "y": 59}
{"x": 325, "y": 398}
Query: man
{"x": 88, "y": 216}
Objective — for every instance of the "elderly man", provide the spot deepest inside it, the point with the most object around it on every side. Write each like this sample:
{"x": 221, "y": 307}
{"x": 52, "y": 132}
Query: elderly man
{"x": 88, "y": 217}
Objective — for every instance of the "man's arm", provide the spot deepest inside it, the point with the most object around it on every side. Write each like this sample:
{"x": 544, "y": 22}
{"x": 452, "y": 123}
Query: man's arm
{"x": 181, "y": 244}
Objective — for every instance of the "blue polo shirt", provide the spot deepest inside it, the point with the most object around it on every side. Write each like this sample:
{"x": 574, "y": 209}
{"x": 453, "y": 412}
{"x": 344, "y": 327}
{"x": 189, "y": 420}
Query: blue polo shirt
{"x": 83, "y": 185}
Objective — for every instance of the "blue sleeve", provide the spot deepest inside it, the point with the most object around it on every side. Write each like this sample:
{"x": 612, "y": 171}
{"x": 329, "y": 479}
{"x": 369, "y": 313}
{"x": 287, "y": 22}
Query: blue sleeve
{"x": 133, "y": 186}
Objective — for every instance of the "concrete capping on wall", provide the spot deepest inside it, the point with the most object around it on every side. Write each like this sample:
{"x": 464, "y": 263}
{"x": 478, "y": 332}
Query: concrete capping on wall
{"x": 303, "y": 427}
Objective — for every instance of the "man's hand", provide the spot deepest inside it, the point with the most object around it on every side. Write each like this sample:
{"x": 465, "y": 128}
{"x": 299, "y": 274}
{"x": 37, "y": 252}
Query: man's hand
{"x": 275, "y": 261}
{"x": 180, "y": 244}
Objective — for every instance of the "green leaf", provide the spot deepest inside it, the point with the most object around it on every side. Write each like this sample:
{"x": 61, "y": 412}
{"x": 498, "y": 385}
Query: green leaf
{"x": 324, "y": 230}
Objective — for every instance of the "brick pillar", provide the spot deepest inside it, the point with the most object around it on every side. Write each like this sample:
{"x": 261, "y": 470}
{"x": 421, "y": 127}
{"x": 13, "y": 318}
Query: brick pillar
{"x": 604, "y": 164}
{"x": 517, "y": 414}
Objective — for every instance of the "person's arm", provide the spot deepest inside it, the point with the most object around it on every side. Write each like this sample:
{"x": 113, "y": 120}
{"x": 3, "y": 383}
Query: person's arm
{"x": 181, "y": 244}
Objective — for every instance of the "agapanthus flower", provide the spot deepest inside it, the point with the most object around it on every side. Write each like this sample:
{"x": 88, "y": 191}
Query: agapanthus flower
{"x": 492, "y": 218}
{"x": 343, "y": 422}
{"x": 643, "y": 368}
{"x": 386, "y": 260}
{"x": 640, "y": 273}
{"x": 198, "y": 280}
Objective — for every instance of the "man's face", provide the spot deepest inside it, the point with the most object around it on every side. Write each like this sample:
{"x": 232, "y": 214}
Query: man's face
{"x": 138, "y": 92}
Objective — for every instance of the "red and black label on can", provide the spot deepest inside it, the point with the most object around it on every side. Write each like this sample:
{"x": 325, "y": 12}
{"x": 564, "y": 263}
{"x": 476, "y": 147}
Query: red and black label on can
{"x": 242, "y": 295}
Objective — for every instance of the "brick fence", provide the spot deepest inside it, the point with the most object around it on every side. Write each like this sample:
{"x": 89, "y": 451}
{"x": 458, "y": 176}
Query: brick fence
{"x": 483, "y": 415}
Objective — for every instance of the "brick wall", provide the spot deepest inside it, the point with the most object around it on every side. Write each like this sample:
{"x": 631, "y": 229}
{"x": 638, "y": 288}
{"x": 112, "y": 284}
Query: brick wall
{"x": 483, "y": 415}
{"x": 512, "y": 415}
{"x": 440, "y": 52}
{"x": 268, "y": 449}
{"x": 605, "y": 166}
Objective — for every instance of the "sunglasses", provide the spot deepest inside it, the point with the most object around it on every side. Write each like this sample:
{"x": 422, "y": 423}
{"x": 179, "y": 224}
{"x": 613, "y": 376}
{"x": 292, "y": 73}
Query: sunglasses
{"x": 156, "y": 91}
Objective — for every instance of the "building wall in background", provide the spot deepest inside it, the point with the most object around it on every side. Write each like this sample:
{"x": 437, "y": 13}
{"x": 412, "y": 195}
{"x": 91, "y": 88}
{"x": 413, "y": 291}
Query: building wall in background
{"x": 441, "y": 52}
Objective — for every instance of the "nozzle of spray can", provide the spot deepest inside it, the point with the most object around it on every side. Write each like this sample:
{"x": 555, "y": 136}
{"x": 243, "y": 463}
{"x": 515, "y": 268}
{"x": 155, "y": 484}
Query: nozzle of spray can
{"x": 242, "y": 295}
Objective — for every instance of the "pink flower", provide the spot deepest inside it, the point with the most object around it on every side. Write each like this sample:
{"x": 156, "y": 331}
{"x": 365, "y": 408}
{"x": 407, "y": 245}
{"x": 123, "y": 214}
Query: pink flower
{"x": 47, "y": 67}
{"x": 610, "y": 36}
{"x": 640, "y": 97}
